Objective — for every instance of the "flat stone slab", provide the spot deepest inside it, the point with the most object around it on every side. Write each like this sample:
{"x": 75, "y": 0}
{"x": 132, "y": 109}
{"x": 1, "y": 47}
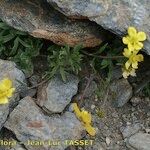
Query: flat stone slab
{"x": 139, "y": 141}
{"x": 41, "y": 20}
{"x": 31, "y": 125}
{"x": 9, "y": 70}
{"x": 122, "y": 92}
{"x": 113, "y": 15}
{"x": 55, "y": 95}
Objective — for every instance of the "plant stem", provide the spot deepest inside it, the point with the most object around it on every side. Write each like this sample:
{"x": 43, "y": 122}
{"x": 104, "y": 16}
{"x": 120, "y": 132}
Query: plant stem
{"x": 100, "y": 56}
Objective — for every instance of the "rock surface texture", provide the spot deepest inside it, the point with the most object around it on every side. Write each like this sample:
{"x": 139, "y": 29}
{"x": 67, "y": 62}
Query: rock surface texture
{"x": 122, "y": 92}
{"x": 56, "y": 95}
{"x": 139, "y": 141}
{"x": 39, "y": 19}
{"x": 8, "y": 70}
{"x": 29, "y": 123}
{"x": 113, "y": 15}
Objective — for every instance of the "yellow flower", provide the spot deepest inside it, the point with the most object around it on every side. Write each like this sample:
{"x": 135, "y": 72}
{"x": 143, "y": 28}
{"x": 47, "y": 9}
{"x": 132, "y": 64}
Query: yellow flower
{"x": 6, "y": 90}
{"x": 127, "y": 53}
{"x": 76, "y": 110}
{"x": 134, "y": 39}
{"x": 86, "y": 119}
{"x": 90, "y": 129}
{"x": 133, "y": 61}
{"x": 127, "y": 72}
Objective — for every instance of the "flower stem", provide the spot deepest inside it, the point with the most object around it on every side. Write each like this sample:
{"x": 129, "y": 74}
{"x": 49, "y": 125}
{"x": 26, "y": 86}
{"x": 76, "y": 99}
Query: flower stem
{"x": 100, "y": 56}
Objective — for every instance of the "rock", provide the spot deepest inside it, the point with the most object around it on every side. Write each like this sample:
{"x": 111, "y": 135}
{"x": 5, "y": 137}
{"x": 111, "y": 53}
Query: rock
{"x": 30, "y": 124}
{"x": 40, "y": 20}
{"x": 15, "y": 145}
{"x": 56, "y": 94}
{"x": 116, "y": 73}
{"x": 108, "y": 141}
{"x": 30, "y": 92}
{"x": 135, "y": 100}
{"x": 90, "y": 90}
{"x": 4, "y": 111}
{"x": 97, "y": 145}
{"x": 130, "y": 130}
{"x": 139, "y": 141}
{"x": 115, "y": 16}
{"x": 8, "y": 70}
{"x": 122, "y": 92}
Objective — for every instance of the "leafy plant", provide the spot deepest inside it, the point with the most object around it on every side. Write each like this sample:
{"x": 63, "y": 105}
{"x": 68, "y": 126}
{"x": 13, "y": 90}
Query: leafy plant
{"x": 19, "y": 47}
{"x": 64, "y": 59}
{"x": 104, "y": 59}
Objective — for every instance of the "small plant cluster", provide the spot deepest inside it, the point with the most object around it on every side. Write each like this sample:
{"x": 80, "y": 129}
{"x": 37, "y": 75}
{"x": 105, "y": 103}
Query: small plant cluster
{"x": 18, "y": 47}
{"x": 6, "y": 90}
{"x": 134, "y": 44}
{"x": 64, "y": 59}
{"x": 86, "y": 119}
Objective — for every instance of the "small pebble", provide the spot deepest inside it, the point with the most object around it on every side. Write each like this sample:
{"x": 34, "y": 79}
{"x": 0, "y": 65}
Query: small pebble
{"x": 96, "y": 98}
{"x": 108, "y": 140}
{"x": 93, "y": 106}
{"x": 147, "y": 130}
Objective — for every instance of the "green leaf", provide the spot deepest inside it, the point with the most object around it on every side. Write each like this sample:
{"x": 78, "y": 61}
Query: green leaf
{"x": 7, "y": 38}
{"x": 15, "y": 47}
{"x": 4, "y": 26}
{"x": 24, "y": 43}
{"x": 62, "y": 72}
{"x": 104, "y": 63}
{"x": 101, "y": 49}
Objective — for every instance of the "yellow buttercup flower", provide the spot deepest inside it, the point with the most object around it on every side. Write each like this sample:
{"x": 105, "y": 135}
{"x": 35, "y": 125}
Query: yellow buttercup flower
{"x": 127, "y": 72}
{"x": 86, "y": 119}
{"x": 6, "y": 90}
{"x": 91, "y": 130}
{"x": 134, "y": 42}
{"x": 134, "y": 39}
{"x": 133, "y": 61}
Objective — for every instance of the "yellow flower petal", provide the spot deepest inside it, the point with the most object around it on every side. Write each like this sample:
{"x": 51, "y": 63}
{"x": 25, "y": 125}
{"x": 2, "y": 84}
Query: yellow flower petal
{"x": 127, "y": 53}
{"x": 135, "y": 65}
{"x": 132, "y": 72}
{"x": 91, "y": 130}
{"x": 76, "y": 110}
{"x": 130, "y": 47}
{"x": 140, "y": 57}
{"x": 125, "y": 74}
{"x": 10, "y": 92}
{"x": 138, "y": 46}
{"x": 125, "y": 40}
{"x": 6, "y": 90}
{"x": 132, "y": 31}
{"x": 7, "y": 83}
{"x": 141, "y": 36}
{"x": 127, "y": 64}
{"x": 86, "y": 117}
{"x": 3, "y": 100}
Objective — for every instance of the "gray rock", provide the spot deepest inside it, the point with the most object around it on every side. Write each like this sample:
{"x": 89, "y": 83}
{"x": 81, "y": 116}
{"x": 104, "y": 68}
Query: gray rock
{"x": 90, "y": 89}
{"x": 122, "y": 92}
{"x": 135, "y": 100}
{"x": 139, "y": 141}
{"x": 130, "y": 130}
{"x": 28, "y": 92}
{"x": 29, "y": 123}
{"x": 8, "y": 70}
{"x": 39, "y": 19}
{"x": 4, "y": 111}
{"x": 113, "y": 15}
{"x": 56, "y": 94}
{"x": 15, "y": 145}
